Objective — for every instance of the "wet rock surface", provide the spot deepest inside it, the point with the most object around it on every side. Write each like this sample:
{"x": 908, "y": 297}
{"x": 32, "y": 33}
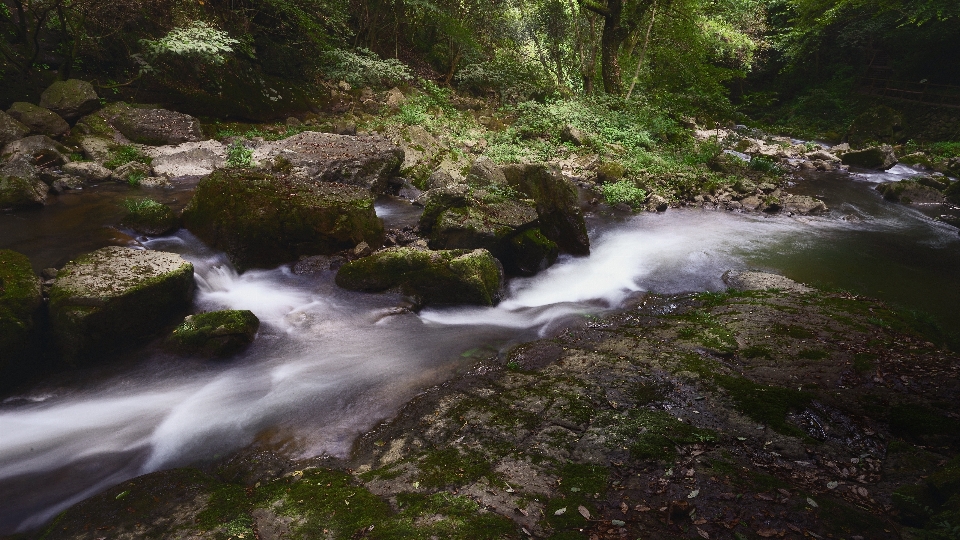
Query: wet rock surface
{"x": 760, "y": 413}
{"x": 114, "y": 296}
{"x": 265, "y": 220}
{"x": 216, "y": 333}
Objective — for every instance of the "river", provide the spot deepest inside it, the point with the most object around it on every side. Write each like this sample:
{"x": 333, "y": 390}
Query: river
{"x": 329, "y": 364}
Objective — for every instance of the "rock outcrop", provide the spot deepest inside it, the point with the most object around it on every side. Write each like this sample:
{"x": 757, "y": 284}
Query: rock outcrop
{"x": 217, "y": 333}
{"x": 116, "y": 296}
{"x": 364, "y": 161}
{"x": 262, "y": 220}
{"x": 39, "y": 120}
{"x": 433, "y": 277}
{"x": 876, "y": 157}
{"x": 911, "y": 192}
{"x": 151, "y": 126}
{"x": 558, "y": 205}
{"x": 70, "y": 99}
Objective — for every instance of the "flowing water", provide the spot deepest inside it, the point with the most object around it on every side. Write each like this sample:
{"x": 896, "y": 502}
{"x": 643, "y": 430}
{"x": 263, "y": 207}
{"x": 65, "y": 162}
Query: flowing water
{"x": 329, "y": 364}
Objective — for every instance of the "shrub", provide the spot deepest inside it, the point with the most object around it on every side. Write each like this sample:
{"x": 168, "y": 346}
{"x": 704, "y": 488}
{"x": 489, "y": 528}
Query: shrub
{"x": 198, "y": 41}
{"x": 625, "y": 191}
{"x": 511, "y": 76}
{"x": 364, "y": 68}
{"x": 239, "y": 155}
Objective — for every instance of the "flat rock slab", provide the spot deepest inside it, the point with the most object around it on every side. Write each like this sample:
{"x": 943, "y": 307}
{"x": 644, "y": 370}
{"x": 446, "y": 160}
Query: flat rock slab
{"x": 364, "y": 161}
{"x": 188, "y": 159}
{"x": 115, "y": 296}
{"x": 762, "y": 281}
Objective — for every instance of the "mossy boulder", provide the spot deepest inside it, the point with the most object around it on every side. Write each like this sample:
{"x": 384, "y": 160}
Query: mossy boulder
{"x": 37, "y": 149}
{"x": 876, "y": 157}
{"x": 70, "y": 99}
{"x": 434, "y": 277}
{"x": 529, "y": 252}
{"x": 879, "y": 125}
{"x": 952, "y": 193}
{"x": 910, "y": 192}
{"x": 152, "y": 126}
{"x": 557, "y": 203}
{"x": 485, "y": 172}
{"x": 367, "y": 161}
{"x": 20, "y": 303}
{"x": 262, "y": 220}
{"x": 11, "y": 129}
{"x": 217, "y": 333}
{"x": 147, "y": 216}
{"x": 20, "y": 186}
{"x": 116, "y": 296}
{"x": 38, "y": 119}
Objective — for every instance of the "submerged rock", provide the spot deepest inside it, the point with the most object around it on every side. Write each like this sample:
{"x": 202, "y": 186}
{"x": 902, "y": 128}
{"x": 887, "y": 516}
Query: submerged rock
{"x": 762, "y": 281}
{"x": 20, "y": 185}
{"x": 38, "y": 119}
{"x": 116, "y": 296}
{"x": 217, "y": 333}
{"x": 434, "y": 277}
{"x": 11, "y": 129}
{"x": 147, "y": 216}
{"x": 366, "y": 161}
{"x": 20, "y": 303}
{"x": 152, "y": 126}
{"x": 70, "y": 99}
{"x": 262, "y": 220}
{"x": 875, "y": 157}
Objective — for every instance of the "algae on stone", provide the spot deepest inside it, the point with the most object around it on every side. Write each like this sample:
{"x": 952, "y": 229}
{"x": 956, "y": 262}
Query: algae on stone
{"x": 435, "y": 277}
{"x": 20, "y": 302}
{"x": 217, "y": 333}
{"x": 116, "y": 296}
{"x": 262, "y": 220}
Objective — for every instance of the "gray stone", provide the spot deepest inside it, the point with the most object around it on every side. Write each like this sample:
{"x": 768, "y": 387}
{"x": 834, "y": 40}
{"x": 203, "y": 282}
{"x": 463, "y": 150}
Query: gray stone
{"x": 573, "y": 135}
{"x": 152, "y": 126}
{"x": 38, "y": 149}
{"x": 70, "y": 99}
{"x": 803, "y": 205}
{"x": 369, "y": 161}
{"x": 88, "y": 170}
{"x": 11, "y": 129}
{"x": 876, "y": 157}
{"x": 485, "y": 172}
{"x": 188, "y": 159}
{"x": 39, "y": 120}
{"x": 20, "y": 185}
{"x": 116, "y": 296}
{"x": 761, "y": 281}
{"x": 97, "y": 148}
{"x": 657, "y": 203}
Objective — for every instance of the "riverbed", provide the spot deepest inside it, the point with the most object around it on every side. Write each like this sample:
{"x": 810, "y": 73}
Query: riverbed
{"x": 329, "y": 364}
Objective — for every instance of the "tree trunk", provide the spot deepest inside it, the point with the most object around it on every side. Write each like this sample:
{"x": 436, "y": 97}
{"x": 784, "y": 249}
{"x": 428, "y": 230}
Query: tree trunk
{"x": 613, "y": 36}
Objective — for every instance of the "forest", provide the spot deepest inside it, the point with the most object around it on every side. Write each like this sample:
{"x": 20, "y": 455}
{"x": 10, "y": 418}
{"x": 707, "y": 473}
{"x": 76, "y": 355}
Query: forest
{"x": 479, "y": 269}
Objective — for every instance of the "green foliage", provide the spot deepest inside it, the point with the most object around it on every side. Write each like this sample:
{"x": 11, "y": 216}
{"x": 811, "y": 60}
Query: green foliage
{"x": 239, "y": 155}
{"x": 364, "y": 68}
{"x": 626, "y": 192}
{"x": 123, "y": 154}
{"x": 511, "y": 76}
{"x": 765, "y": 164}
{"x": 199, "y": 41}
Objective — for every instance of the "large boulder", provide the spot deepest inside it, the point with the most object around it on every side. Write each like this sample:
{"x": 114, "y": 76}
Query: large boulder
{"x": 803, "y": 205}
{"x": 265, "y": 220}
{"x": 38, "y": 119}
{"x": 217, "y": 333}
{"x": 911, "y": 192}
{"x": 188, "y": 159}
{"x": 152, "y": 126}
{"x": 558, "y": 204}
{"x": 20, "y": 185}
{"x": 11, "y": 129}
{"x": 147, "y": 216}
{"x": 434, "y": 277}
{"x": 878, "y": 125}
{"x": 485, "y": 172}
{"x": 39, "y": 150}
{"x": 365, "y": 161}
{"x": 70, "y": 99}
{"x": 116, "y": 296}
{"x": 20, "y": 303}
{"x": 876, "y": 157}
{"x": 952, "y": 193}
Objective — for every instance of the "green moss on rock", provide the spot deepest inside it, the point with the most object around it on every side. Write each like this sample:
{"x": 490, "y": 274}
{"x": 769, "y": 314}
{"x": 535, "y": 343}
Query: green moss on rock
{"x": 262, "y": 220}
{"x": 71, "y": 99}
{"x": 20, "y": 301}
{"x": 217, "y": 333}
{"x": 435, "y": 277}
{"x": 147, "y": 216}
{"x": 116, "y": 296}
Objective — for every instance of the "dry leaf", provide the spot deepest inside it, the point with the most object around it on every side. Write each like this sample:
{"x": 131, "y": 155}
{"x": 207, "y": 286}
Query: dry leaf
{"x": 768, "y": 533}
{"x": 561, "y": 511}
{"x": 583, "y": 512}
{"x": 624, "y": 508}
{"x": 702, "y": 533}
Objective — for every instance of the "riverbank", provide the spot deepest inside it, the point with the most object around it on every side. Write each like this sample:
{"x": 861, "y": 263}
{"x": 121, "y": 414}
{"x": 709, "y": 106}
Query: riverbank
{"x": 780, "y": 412}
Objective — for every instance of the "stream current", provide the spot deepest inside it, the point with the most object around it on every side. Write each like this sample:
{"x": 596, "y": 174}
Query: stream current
{"x": 329, "y": 364}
